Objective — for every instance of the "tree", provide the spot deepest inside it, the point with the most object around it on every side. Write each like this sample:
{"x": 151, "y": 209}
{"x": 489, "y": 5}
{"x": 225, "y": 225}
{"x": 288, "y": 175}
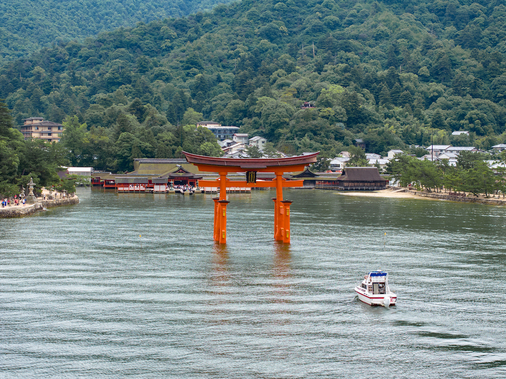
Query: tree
{"x": 428, "y": 175}
{"x": 467, "y": 160}
{"x": 191, "y": 117}
{"x": 270, "y": 151}
{"x": 358, "y": 158}
{"x": 11, "y": 145}
{"x": 254, "y": 152}
{"x": 74, "y": 139}
{"x": 479, "y": 179}
{"x": 438, "y": 121}
{"x": 322, "y": 164}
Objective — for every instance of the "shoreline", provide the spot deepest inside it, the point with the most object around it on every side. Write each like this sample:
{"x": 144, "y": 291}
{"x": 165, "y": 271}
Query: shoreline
{"x": 15, "y": 211}
{"x": 421, "y": 195}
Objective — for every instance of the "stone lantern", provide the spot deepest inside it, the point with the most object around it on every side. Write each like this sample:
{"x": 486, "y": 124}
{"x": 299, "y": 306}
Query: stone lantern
{"x": 30, "y": 199}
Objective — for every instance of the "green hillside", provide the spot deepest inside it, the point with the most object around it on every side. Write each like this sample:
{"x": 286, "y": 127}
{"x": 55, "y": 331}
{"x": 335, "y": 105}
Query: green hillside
{"x": 28, "y": 25}
{"x": 395, "y": 74}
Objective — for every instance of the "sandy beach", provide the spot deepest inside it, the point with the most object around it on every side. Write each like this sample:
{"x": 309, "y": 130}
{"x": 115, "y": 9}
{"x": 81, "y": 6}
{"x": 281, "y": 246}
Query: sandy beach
{"x": 402, "y": 193}
{"x": 389, "y": 193}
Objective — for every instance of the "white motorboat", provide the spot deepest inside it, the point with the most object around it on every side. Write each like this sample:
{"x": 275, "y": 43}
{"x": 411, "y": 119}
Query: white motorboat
{"x": 374, "y": 290}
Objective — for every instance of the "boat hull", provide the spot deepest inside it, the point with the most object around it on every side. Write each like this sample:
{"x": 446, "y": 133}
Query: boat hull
{"x": 370, "y": 299}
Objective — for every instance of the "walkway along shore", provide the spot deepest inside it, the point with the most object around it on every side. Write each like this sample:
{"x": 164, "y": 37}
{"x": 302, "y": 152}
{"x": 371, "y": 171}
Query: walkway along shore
{"x": 28, "y": 209}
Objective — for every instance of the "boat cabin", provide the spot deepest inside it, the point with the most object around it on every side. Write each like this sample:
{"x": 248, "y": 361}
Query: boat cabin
{"x": 375, "y": 282}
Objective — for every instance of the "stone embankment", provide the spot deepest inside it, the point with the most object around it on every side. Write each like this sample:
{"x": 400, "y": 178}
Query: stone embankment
{"x": 40, "y": 205}
{"x": 465, "y": 199}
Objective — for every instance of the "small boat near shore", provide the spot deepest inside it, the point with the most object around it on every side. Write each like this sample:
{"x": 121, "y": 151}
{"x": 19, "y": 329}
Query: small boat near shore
{"x": 374, "y": 290}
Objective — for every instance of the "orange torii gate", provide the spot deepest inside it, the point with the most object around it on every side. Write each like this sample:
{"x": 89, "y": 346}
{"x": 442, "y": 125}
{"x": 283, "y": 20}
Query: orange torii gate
{"x": 251, "y": 166}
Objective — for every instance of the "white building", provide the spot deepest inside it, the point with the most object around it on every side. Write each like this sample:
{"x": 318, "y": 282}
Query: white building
{"x": 219, "y": 131}
{"x": 338, "y": 163}
{"x": 258, "y": 142}
{"x": 382, "y": 162}
{"x": 460, "y": 132}
{"x": 233, "y": 148}
{"x": 458, "y": 149}
{"x": 429, "y": 157}
{"x": 393, "y": 153}
{"x": 83, "y": 171}
{"x": 241, "y": 138}
{"x": 437, "y": 149}
{"x": 447, "y": 156}
{"x": 207, "y": 124}
{"x": 372, "y": 156}
{"x": 499, "y": 147}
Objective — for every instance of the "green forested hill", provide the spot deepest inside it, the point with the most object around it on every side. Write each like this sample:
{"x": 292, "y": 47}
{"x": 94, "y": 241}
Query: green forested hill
{"x": 394, "y": 73}
{"x": 27, "y": 25}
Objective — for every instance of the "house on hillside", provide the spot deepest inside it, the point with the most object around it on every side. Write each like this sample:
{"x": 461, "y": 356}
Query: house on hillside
{"x": 447, "y": 156}
{"x": 207, "y": 124}
{"x": 372, "y": 156}
{"x": 499, "y": 147}
{"x": 429, "y": 157}
{"x": 338, "y": 163}
{"x": 241, "y": 138}
{"x": 392, "y": 153}
{"x": 460, "y": 133}
{"x": 382, "y": 163}
{"x": 258, "y": 142}
{"x": 38, "y": 128}
{"x": 359, "y": 142}
{"x": 459, "y": 149}
{"x": 219, "y": 131}
{"x": 233, "y": 148}
{"x": 437, "y": 149}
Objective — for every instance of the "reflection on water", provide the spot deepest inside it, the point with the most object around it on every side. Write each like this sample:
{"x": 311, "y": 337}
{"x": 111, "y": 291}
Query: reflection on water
{"x": 221, "y": 274}
{"x": 83, "y": 295}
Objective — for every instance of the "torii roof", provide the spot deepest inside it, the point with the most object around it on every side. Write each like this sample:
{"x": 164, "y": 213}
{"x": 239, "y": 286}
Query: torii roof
{"x": 246, "y": 164}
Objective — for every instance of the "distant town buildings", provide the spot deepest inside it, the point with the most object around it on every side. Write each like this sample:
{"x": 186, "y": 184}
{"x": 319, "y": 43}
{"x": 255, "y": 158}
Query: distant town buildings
{"x": 240, "y": 142}
{"x": 460, "y": 133}
{"x": 258, "y": 142}
{"x": 38, "y": 128}
{"x": 434, "y": 153}
{"x": 307, "y": 105}
{"x": 499, "y": 147}
{"x": 393, "y": 153}
{"x": 221, "y": 132}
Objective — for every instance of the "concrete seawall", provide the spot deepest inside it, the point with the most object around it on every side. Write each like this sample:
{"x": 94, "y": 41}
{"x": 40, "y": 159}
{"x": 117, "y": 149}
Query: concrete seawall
{"x": 29, "y": 209}
{"x": 463, "y": 199}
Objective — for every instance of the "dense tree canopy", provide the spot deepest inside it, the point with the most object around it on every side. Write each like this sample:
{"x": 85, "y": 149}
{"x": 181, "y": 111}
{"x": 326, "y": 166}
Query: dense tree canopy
{"x": 395, "y": 74}
{"x": 28, "y": 25}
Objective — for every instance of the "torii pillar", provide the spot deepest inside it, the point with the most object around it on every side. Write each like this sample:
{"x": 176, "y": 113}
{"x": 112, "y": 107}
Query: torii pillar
{"x": 279, "y": 166}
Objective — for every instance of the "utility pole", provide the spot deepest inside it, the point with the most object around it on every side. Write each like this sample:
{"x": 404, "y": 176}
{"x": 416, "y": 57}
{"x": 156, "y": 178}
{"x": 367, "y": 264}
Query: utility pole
{"x": 432, "y": 147}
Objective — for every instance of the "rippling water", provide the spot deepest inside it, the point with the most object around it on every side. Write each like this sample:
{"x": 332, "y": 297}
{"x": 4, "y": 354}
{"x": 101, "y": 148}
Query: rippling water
{"x": 133, "y": 285}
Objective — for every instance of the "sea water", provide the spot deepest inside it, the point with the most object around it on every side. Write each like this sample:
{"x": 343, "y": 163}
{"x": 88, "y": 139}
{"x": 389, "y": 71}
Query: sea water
{"x": 132, "y": 285}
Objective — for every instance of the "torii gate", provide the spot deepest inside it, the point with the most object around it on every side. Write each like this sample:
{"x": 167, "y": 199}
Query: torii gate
{"x": 251, "y": 166}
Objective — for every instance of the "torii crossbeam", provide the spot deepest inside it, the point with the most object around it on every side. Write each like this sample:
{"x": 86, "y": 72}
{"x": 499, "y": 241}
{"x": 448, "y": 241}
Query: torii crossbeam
{"x": 251, "y": 166}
